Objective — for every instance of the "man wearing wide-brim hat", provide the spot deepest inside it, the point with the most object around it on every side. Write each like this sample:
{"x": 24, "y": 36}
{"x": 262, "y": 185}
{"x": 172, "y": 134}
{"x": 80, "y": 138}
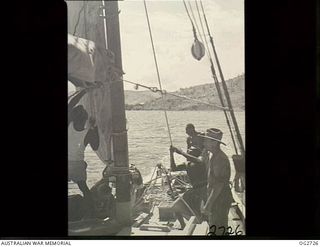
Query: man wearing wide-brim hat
{"x": 218, "y": 190}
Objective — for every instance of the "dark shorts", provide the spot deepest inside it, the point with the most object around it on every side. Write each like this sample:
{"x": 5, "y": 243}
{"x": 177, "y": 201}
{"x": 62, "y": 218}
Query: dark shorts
{"x": 219, "y": 215}
{"x": 220, "y": 209}
{"x": 194, "y": 197}
{"x": 77, "y": 171}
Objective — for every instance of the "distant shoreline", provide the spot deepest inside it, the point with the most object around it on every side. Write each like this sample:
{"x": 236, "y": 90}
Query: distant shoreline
{"x": 196, "y": 98}
{"x": 169, "y": 110}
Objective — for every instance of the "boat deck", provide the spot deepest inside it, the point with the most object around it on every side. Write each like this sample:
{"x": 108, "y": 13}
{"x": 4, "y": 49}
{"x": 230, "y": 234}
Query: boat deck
{"x": 158, "y": 219}
{"x": 150, "y": 225}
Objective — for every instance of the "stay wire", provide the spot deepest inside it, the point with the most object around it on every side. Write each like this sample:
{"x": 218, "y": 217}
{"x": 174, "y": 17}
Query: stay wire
{"x": 210, "y": 61}
{"x": 198, "y": 101}
{"x": 204, "y": 34}
{"x": 156, "y": 90}
{"x": 218, "y": 87}
{"x": 196, "y": 29}
{"x": 234, "y": 131}
{"x": 184, "y": 3}
{"x": 156, "y": 64}
{"x": 85, "y": 19}
{"x": 195, "y": 21}
{"x": 231, "y": 128}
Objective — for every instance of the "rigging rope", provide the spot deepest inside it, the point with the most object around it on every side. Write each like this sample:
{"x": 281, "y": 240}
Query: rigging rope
{"x": 156, "y": 90}
{"x": 233, "y": 119}
{"x": 184, "y": 3}
{"x": 195, "y": 22}
{"x": 209, "y": 53}
{"x": 104, "y": 22}
{"x": 234, "y": 131}
{"x": 156, "y": 64}
{"x": 78, "y": 20}
{"x": 212, "y": 67}
{"x": 211, "y": 63}
{"x": 195, "y": 29}
{"x": 85, "y": 19}
{"x": 90, "y": 96}
{"x": 204, "y": 34}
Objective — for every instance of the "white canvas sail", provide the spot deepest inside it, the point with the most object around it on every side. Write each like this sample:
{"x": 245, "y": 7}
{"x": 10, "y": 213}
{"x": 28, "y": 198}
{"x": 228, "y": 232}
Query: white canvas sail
{"x": 89, "y": 64}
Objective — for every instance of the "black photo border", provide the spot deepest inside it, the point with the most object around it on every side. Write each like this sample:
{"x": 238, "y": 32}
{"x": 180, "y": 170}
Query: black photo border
{"x": 282, "y": 122}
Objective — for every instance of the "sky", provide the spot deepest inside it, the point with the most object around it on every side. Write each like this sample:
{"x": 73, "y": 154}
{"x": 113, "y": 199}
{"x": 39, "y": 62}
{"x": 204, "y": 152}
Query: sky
{"x": 173, "y": 38}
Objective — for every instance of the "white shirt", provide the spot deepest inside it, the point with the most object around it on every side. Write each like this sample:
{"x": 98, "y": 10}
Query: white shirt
{"x": 76, "y": 143}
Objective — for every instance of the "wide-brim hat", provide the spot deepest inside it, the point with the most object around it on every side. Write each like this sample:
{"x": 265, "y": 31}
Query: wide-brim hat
{"x": 213, "y": 134}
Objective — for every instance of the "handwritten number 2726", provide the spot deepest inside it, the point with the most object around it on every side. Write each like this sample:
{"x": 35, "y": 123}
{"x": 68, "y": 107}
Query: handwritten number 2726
{"x": 224, "y": 231}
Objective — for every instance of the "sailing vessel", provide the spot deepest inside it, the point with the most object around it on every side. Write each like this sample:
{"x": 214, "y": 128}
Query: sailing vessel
{"x": 131, "y": 207}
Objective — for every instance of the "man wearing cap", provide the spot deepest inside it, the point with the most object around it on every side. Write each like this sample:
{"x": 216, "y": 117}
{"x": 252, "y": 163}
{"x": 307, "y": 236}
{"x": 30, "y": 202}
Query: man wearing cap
{"x": 196, "y": 172}
{"x": 219, "y": 197}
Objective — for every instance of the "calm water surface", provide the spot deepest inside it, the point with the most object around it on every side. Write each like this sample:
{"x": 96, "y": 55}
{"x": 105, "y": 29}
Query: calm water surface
{"x": 149, "y": 140}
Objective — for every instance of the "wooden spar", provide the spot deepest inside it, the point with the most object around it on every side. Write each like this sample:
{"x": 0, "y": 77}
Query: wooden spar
{"x": 226, "y": 92}
{"x": 216, "y": 82}
{"x": 119, "y": 136}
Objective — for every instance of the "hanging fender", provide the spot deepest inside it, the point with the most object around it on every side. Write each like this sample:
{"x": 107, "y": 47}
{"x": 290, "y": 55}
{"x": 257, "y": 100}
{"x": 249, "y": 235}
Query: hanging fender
{"x": 197, "y": 50}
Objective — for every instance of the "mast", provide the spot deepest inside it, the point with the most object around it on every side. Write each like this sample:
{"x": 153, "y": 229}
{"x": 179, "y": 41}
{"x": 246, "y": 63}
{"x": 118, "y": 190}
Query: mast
{"x": 216, "y": 82}
{"x": 119, "y": 137}
{"x": 85, "y": 21}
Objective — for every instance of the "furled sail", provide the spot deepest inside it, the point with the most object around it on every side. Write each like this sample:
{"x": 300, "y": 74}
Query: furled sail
{"x": 92, "y": 66}
{"x": 87, "y": 62}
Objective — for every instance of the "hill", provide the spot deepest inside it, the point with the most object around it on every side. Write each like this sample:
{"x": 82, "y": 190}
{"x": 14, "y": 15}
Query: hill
{"x": 144, "y": 100}
{"x": 139, "y": 97}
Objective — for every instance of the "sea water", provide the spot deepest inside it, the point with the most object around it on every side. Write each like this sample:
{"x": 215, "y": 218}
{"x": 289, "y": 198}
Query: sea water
{"x": 149, "y": 142}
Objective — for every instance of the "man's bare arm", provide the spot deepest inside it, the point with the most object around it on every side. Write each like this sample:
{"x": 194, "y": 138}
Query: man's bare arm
{"x": 173, "y": 165}
{"x": 188, "y": 156}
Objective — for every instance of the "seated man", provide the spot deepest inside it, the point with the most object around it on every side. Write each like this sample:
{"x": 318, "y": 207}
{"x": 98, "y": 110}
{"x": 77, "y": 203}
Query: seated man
{"x": 197, "y": 174}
